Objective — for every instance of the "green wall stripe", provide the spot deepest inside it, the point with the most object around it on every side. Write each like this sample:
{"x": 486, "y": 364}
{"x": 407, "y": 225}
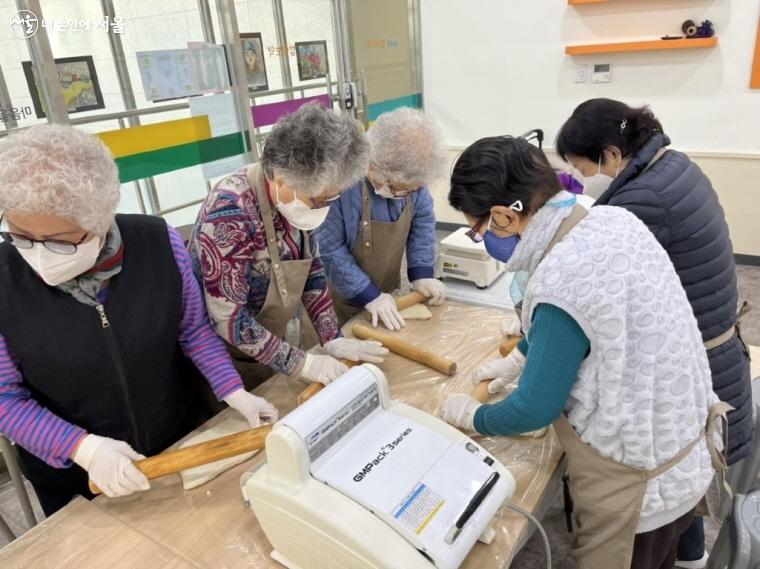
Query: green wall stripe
{"x": 377, "y": 109}
{"x": 146, "y": 164}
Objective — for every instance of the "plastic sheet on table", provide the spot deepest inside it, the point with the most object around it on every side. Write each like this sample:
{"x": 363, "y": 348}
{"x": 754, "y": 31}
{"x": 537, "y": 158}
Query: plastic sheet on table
{"x": 209, "y": 526}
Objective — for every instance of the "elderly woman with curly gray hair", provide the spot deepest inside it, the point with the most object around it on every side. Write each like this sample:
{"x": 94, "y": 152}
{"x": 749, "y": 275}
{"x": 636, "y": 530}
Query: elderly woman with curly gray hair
{"x": 388, "y": 212}
{"x": 254, "y": 251}
{"x": 104, "y": 337}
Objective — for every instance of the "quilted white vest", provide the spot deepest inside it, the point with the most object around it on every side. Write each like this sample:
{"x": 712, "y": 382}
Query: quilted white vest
{"x": 644, "y": 390}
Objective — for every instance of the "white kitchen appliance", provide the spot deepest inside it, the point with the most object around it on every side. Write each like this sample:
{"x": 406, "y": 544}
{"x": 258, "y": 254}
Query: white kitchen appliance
{"x": 461, "y": 258}
{"x": 355, "y": 480}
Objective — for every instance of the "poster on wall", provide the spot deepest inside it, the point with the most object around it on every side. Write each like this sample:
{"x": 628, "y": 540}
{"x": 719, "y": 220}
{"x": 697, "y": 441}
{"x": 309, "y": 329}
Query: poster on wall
{"x": 255, "y": 64}
{"x": 220, "y": 110}
{"x": 166, "y": 74}
{"x": 209, "y": 65}
{"x": 312, "y": 59}
{"x": 79, "y": 83}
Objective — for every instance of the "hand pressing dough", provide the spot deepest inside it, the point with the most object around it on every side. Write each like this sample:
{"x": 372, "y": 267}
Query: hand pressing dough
{"x": 416, "y": 312}
{"x": 194, "y": 477}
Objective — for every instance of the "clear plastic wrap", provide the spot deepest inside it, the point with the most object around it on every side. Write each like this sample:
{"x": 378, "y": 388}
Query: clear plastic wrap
{"x": 209, "y": 526}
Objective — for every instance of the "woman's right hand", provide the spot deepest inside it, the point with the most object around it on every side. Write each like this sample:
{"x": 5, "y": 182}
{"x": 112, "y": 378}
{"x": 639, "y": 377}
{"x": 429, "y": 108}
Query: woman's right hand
{"x": 502, "y": 371}
{"x": 322, "y": 369}
{"x": 109, "y": 464}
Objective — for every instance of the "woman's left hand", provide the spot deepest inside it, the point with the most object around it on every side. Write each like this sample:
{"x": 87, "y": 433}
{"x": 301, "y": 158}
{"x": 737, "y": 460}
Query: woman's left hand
{"x": 356, "y": 350}
{"x": 255, "y": 409}
{"x": 459, "y": 410}
{"x": 434, "y": 289}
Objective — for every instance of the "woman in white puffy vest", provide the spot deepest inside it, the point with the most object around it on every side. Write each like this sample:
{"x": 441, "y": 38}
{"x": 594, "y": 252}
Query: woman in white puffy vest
{"x": 612, "y": 356}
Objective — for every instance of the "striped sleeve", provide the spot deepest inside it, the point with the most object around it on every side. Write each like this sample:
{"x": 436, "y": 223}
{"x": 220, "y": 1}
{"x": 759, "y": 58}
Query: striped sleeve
{"x": 317, "y": 300}
{"x": 25, "y": 421}
{"x": 197, "y": 338}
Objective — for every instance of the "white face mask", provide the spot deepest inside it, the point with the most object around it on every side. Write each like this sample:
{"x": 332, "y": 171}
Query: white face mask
{"x": 597, "y": 184}
{"x": 300, "y": 215}
{"x": 385, "y": 192}
{"x": 54, "y": 268}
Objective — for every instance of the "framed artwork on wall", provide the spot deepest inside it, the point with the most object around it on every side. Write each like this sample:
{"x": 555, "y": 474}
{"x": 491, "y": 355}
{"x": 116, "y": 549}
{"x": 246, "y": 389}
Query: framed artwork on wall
{"x": 312, "y": 59}
{"x": 255, "y": 64}
{"x": 79, "y": 83}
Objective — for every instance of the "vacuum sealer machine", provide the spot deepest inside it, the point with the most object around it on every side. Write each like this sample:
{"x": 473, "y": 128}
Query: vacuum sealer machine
{"x": 356, "y": 480}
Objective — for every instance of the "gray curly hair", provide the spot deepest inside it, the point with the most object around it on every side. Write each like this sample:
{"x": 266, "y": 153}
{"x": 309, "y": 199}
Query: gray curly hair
{"x": 58, "y": 170}
{"x": 406, "y": 147}
{"x": 315, "y": 149}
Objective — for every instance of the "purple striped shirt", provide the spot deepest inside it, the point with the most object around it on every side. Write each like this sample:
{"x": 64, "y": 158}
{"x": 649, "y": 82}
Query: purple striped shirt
{"x": 54, "y": 440}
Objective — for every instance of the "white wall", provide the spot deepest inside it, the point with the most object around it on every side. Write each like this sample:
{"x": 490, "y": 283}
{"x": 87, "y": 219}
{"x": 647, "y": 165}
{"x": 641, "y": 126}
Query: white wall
{"x": 493, "y": 67}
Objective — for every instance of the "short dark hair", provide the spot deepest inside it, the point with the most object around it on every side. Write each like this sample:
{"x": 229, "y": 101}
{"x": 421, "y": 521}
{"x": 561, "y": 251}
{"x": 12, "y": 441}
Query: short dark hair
{"x": 600, "y": 123}
{"x": 500, "y": 170}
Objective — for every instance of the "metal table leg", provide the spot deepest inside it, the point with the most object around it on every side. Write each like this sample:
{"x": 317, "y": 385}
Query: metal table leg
{"x": 11, "y": 460}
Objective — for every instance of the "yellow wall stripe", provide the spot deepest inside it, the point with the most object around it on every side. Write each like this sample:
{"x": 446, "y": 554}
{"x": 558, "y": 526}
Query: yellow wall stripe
{"x": 138, "y": 139}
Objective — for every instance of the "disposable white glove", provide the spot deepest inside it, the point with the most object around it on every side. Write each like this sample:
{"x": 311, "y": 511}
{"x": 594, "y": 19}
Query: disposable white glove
{"x": 459, "y": 410}
{"x": 503, "y": 371}
{"x": 356, "y": 350}
{"x": 434, "y": 289}
{"x": 511, "y": 326}
{"x": 255, "y": 409}
{"x": 109, "y": 465}
{"x": 384, "y": 307}
{"x": 322, "y": 369}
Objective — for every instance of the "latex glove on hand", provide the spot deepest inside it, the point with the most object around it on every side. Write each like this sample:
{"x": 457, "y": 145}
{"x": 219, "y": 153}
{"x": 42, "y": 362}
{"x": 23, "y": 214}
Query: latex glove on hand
{"x": 108, "y": 462}
{"x": 459, "y": 410}
{"x": 322, "y": 369}
{"x": 434, "y": 289}
{"x": 255, "y": 409}
{"x": 384, "y": 308}
{"x": 503, "y": 371}
{"x": 511, "y": 326}
{"x": 356, "y": 350}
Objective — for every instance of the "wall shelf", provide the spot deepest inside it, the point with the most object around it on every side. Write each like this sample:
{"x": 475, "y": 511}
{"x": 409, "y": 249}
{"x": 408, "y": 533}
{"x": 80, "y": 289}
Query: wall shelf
{"x": 577, "y": 2}
{"x": 652, "y": 45}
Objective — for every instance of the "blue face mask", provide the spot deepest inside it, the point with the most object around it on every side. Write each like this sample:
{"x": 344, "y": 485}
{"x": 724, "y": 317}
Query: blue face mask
{"x": 500, "y": 248}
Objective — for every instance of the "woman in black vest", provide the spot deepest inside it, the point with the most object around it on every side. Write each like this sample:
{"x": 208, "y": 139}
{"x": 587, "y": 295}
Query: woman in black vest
{"x": 102, "y": 324}
{"x": 624, "y": 155}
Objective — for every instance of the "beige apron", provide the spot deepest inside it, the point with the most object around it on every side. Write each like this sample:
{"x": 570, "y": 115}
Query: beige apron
{"x": 286, "y": 285}
{"x": 607, "y": 495}
{"x": 378, "y": 251}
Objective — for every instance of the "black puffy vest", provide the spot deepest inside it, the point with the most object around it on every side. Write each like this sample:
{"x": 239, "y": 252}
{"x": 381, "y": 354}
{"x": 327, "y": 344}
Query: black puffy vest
{"x": 128, "y": 380}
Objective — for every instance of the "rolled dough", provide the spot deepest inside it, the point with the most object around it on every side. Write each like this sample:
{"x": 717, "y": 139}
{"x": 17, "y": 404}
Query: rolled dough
{"x": 194, "y": 477}
{"x": 416, "y": 312}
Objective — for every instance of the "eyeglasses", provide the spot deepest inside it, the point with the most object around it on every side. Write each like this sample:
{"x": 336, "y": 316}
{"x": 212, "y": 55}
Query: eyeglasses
{"x": 52, "y": 245}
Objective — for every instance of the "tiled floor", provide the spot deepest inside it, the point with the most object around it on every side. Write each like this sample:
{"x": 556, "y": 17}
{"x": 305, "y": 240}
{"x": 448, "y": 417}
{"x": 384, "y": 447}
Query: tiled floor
{"x": 532, "y": 557}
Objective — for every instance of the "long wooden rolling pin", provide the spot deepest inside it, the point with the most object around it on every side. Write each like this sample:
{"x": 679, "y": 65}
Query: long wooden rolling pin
{"x": 399, "y": 346}
{"x": 316, "y": 387}
{"x": 404, "y": 301}
{"x": 481, "y": 392}
{"x": 175, "y": 461}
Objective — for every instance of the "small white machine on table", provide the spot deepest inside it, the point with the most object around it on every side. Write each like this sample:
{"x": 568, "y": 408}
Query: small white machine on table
{"x": 355, "y": 479}
{"x": 461, "y": 258}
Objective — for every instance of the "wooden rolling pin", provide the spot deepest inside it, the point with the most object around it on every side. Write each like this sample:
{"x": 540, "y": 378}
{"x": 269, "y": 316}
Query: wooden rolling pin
{"x": 481, "y": 392}
{"x": 404, "y": 301}
{"x": 508, "y": 345}
{"x": 175, "y": 461}
{"x": 316, "y": 387}
{"x": 399, "y": 346}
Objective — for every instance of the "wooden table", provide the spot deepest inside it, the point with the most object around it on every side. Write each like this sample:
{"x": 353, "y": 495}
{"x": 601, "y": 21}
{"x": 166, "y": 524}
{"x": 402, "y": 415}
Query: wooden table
{"x": 209, "y": 527}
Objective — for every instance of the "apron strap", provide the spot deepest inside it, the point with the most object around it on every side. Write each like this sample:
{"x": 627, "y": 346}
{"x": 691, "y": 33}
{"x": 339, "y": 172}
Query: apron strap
{"x": 719, "y": 460}
{"x": 576, "y": 215}
{"x": 257, "y": 182}
{"x": 366, "y": 222}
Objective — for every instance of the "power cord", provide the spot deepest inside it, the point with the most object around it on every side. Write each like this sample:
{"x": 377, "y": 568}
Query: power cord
{"x": 540, "y": 528}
